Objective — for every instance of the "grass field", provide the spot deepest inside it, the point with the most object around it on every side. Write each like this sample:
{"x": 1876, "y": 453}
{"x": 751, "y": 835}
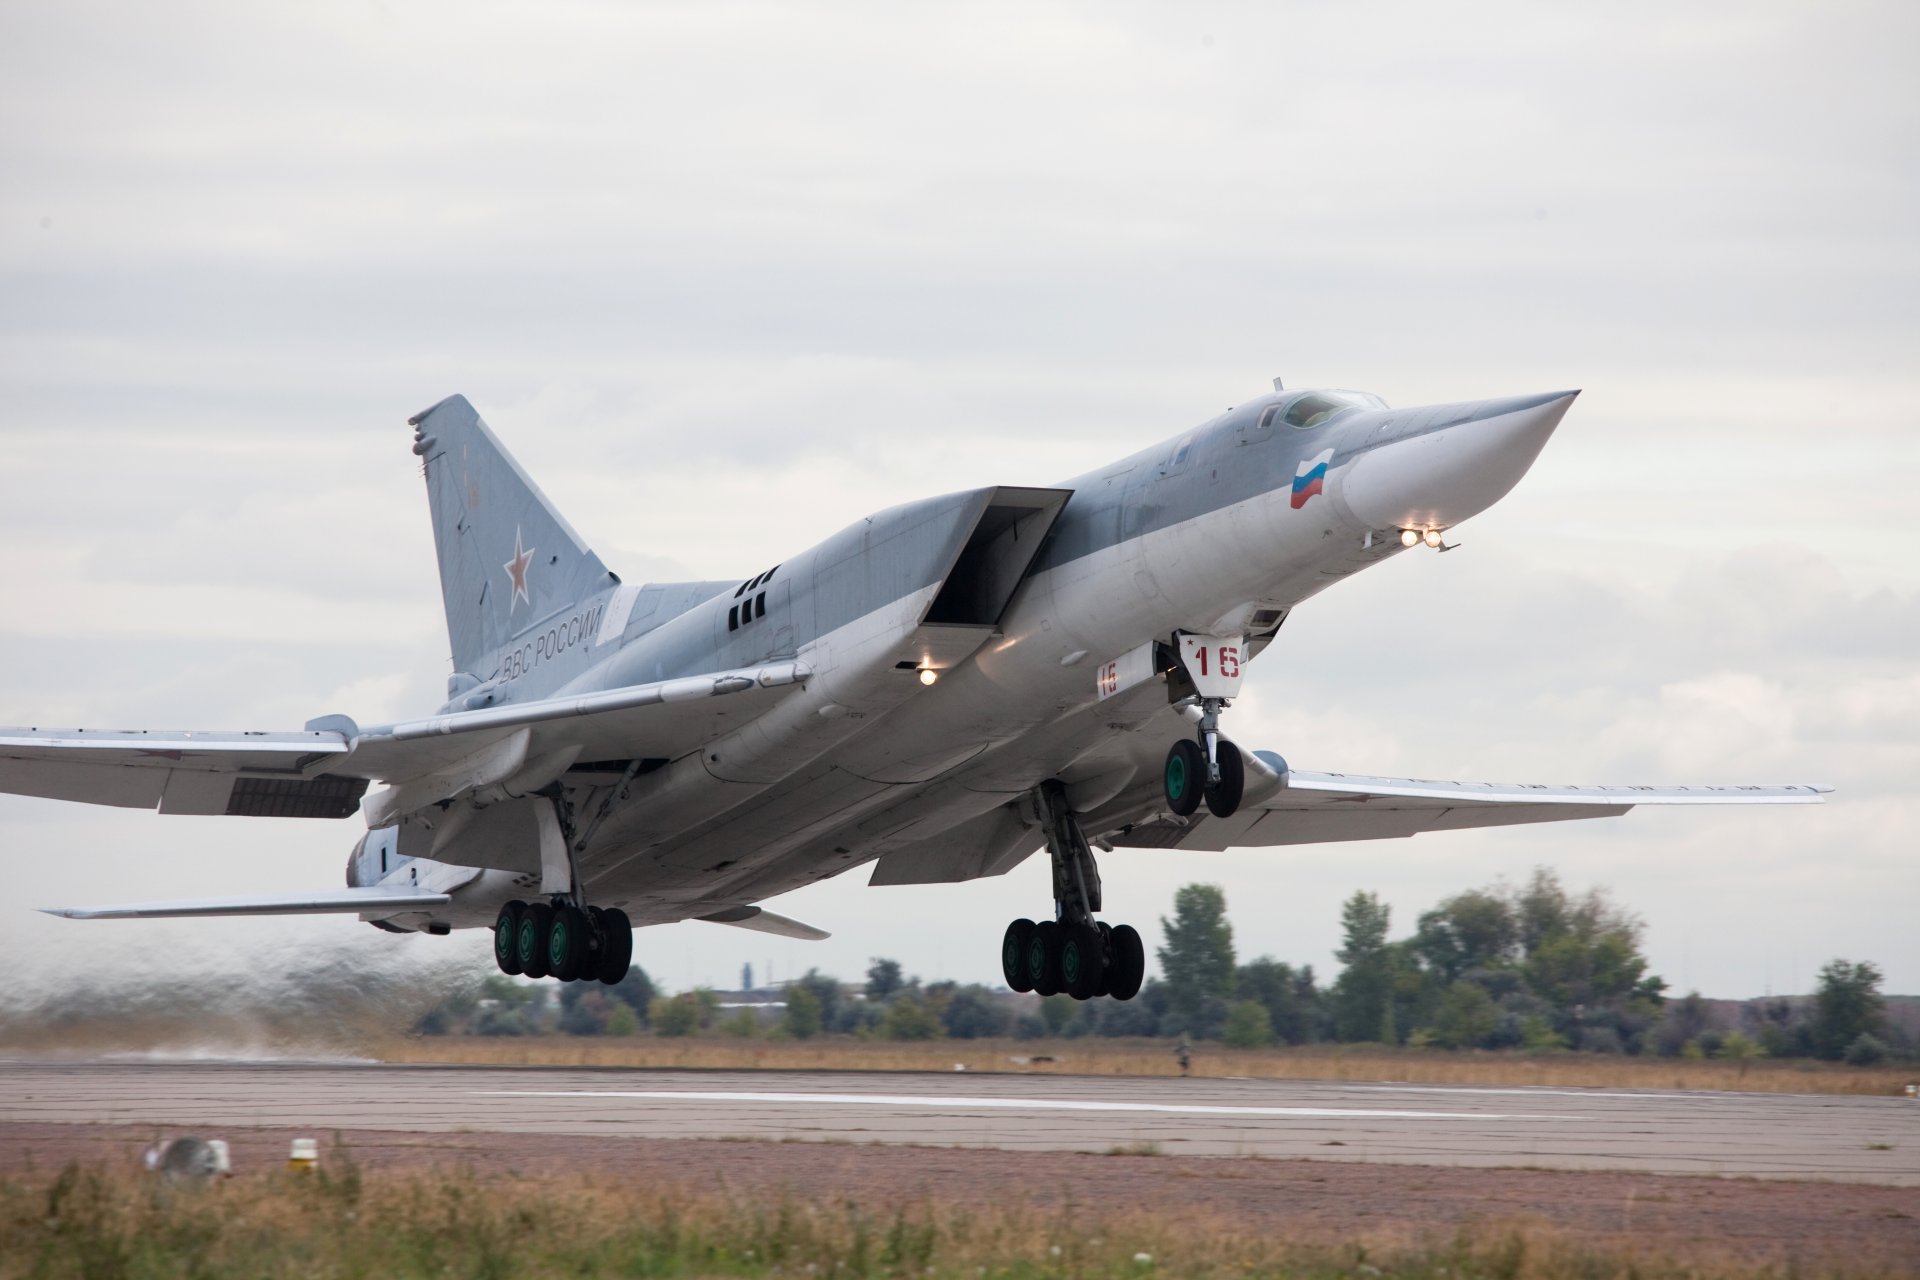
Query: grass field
{"x": 1154, "y": 1058}
{"x": 84, "y": 1222}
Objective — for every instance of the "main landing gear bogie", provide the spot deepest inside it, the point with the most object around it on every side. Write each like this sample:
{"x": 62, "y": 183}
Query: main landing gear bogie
{"x": 1080, "y": 960}
{"x": 1073, "y": 953}
{"x": 563, "y": 941}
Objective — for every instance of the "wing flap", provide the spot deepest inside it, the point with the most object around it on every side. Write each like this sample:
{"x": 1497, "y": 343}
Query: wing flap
{"x": 323, "y": 902}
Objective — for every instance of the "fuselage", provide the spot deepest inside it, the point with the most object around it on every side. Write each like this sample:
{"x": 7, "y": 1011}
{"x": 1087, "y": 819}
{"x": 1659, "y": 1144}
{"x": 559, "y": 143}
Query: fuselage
{"x": 1219, "y": 530}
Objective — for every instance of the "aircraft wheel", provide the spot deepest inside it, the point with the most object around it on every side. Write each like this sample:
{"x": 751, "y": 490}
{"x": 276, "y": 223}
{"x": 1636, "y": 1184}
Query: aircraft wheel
{"x": 567, "y": 943}
{"x": 506, "y": 937}
{"x": 535, "y": 922}
{"x": 1128, "y": 961}
{"x": 1013, "y": 955}
{"x": 1223, "y": 799}
{"x": 617, "y": 955}
{"x": 1186, "y": 776}
{"x": 1043, "y": 958}
{"x": 1081, "y": 961}
{"x": 1106, "y": 958}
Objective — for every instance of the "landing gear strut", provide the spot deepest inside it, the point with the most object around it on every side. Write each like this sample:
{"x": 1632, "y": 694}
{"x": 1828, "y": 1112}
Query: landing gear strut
{"x": 1209, "y": 767}
{"x": 1073, "y": 952}
{"x": 563, "y": 937}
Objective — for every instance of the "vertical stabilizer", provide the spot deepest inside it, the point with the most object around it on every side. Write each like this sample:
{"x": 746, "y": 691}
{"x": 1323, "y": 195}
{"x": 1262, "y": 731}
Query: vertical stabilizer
{"x": 507, "y": 558}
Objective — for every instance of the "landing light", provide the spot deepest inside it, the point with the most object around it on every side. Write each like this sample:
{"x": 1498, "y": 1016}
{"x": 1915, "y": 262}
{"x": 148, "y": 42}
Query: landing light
{"x": 1432, "y": 537}
{"x": 928, "y": 675}
{"x": 1409, "y": 537}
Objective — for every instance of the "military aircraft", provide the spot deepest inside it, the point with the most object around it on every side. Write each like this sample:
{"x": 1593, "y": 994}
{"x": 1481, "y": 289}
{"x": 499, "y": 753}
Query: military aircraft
{"x": 940, "y": 690}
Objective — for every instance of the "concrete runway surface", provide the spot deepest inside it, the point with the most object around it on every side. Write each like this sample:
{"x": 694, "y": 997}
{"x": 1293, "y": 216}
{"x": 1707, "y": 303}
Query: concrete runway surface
{"x": 1748, "y": 1135}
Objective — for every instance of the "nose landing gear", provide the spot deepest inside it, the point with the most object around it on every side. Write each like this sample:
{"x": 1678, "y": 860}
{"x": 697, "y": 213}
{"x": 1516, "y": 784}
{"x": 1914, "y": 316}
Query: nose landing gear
{"x": 1073, "y": 953}
{"x": 1210, "y": 767}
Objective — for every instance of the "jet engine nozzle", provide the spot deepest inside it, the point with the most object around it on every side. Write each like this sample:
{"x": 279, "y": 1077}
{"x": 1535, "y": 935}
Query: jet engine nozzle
{"x": 1434, "y": 476}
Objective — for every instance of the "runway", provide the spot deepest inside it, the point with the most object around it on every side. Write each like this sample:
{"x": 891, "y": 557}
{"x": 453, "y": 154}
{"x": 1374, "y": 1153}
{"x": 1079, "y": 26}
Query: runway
{"x": 1873, "y": 1140}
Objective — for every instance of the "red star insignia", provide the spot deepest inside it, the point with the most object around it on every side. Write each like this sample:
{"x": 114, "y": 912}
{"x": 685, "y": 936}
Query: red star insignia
{"x": 517, "y": 571}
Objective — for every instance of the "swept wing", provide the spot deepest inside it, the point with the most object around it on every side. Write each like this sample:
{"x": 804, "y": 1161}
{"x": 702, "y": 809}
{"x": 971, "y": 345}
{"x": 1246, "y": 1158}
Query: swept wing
{"x": 1324, "y": 808}
{"x": 323, "y": 902}
{"x": 323, "y": 770}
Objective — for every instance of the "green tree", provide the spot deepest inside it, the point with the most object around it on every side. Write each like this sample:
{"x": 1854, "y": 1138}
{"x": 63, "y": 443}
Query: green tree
{"x": 743, "y": 1023}
{"x": 972, "y": 1012}
{"x": 1292, "y": 1003}
{"x": 636, "y": 991}
{"x": 835, "y": 1009}
{"x": 1471, "y": 930}
{"x": 1056, "y": 1012}
{"x": 1467, "y": 1017}
{"x": 1197, "y": 958}
{"x": 1846, "y": 1005}
{"x": 677, "y": 1015}
{"x": 1248, "y": 1025}
{"x": 883, "y": 978}
{"x": 1363, "y": 994}
{"x": 909, "y": 1018}
{"x": 803, "y": 1017}
{"x": 623, "y": 1021}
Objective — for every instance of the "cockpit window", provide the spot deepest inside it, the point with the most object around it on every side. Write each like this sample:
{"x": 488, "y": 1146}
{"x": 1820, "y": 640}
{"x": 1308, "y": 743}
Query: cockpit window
{"x": 1315, "y": 407}
{"x": 1311, "y": 410}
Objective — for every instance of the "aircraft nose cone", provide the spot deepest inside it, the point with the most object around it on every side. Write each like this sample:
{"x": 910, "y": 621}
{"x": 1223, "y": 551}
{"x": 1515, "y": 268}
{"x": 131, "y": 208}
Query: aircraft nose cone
{"x": 1465, "y": 459}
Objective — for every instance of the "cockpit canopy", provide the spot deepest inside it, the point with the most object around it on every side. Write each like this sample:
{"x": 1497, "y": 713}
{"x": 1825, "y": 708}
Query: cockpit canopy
{"x": 1307, "y": 409}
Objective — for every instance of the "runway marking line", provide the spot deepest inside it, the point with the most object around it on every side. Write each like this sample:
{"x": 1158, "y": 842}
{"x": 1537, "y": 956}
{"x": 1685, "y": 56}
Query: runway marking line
{"x": 1014, "y": 1104}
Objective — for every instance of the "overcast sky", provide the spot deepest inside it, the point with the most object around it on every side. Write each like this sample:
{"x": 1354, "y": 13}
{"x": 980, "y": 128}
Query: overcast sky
{"x": 726, "y": 277}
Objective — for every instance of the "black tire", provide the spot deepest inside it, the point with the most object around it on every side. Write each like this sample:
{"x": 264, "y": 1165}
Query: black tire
{"x": 1043, "y": 958}
{"x": 1013, "y": 955}
{"x": 1082, "y": 961}
{"x": 617, "y": 955}
{"x": 534, "y": 923}
{"x": 1224, "y": 798}
{"x": 567, "y": 943}
{"x": 1106, "y": 962}
{"x": 1127, "y": 957}
{"x": 1185, "y": 777}
{"x": 506, "y": 937}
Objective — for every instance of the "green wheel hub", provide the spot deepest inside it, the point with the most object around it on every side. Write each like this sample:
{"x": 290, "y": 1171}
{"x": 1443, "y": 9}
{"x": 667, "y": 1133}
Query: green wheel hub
{"x": 1176, "y": 777}
{"x": 1070, "y": 962}
{"x": 559, "y": 943}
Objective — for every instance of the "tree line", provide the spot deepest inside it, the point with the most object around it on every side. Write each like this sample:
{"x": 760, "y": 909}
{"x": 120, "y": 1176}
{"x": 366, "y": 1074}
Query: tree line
{"x": 1535, "y": 966}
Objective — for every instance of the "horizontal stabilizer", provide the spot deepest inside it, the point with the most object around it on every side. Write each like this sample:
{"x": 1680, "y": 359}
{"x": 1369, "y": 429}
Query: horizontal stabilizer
{"x": 324, "y": 902}
{"x": 764, "y": 921}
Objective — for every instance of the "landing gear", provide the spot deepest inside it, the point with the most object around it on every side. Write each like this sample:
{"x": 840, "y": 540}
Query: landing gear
{"x": 506, "y": 937}
{"x": 564, "y": 937}
{"x": 1211, "y": 769}
{"x": 1073, "y": 953}
{"x": 543, "y": 940}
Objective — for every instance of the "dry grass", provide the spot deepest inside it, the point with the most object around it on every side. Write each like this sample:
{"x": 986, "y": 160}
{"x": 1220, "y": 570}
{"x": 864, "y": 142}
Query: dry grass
{"x": 88, "y": 1223}
{"x": 1152, "y": 1058}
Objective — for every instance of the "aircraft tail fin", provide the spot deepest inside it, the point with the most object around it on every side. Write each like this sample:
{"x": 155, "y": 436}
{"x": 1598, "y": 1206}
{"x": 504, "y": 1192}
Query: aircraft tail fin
{"x": 507, "y": 558}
